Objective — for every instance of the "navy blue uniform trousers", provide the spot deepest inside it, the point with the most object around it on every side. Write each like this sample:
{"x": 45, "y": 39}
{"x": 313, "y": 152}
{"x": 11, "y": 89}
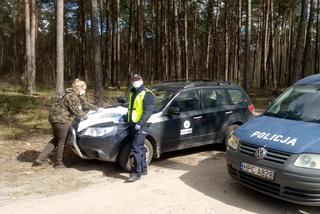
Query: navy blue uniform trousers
{"x": 138, "y": 151}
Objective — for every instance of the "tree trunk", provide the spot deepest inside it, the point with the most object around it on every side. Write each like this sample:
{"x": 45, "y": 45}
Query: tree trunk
{"x": 33, "y": 47}
{"x": 239, "y": 41}
{"x": 226, "y": 42}
{"x": 177, "y": 45}
{"x": 300, "y": 44}
{"x": 140, "y": 37}
{"x": 306, "y": 62}
{"x": 129, "y": 60}
{"x": 247, "y": 70}
{"x": 83, "y": 29}
{"x": 290, "y": 45}
{"x": 164, "y": 40}
{"x": 186, "y": 40}
{"x": 59, "y": 48}
{"x": 194, "y": 55}
{"x": 102, "y": 41}
{"x": 155, "y": 42}
{"x": 28, "y": 46}
{"x": 114, "y": 45}
{"x": 209, "y": 35}
{"x": 270, "y": 59}
{"x": 118, "y": 45}
{"x": 109, "y": 48}
{"x": 316, "y": 60}
{"x": 15, "y": 4}
{"x": 98, "y": 89}
{"x": 264, "y": 49}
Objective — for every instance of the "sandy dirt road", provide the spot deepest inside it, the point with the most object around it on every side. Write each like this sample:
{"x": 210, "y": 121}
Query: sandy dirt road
{"x": 189, "y": 181}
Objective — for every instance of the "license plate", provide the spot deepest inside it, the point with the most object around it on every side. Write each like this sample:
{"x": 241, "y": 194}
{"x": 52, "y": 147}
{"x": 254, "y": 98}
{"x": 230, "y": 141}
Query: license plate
{"x": 258, "y": 171}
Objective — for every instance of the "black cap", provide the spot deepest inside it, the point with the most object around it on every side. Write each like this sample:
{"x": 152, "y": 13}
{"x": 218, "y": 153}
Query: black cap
{"x": 136, "y": 77}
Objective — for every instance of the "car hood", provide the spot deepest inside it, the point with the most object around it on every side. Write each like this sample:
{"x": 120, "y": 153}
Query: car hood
{"x": 281, "y": 134}
{"x": 111, "y": 115}
{"x": 104, "y": 116}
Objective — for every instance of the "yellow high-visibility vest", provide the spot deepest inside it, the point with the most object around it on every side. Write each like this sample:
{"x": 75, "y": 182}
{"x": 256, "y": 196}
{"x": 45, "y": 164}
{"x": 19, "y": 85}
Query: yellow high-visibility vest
{"x": 137, "y": 110}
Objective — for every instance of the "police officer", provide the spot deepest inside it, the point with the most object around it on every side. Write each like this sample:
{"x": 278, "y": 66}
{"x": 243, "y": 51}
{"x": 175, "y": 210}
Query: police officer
{"x": 140, "y": 109}
{"x": 71, "y": 104}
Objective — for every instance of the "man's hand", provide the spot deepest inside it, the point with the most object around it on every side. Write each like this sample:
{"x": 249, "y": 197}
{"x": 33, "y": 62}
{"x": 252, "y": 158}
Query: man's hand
{"x": 99, "y": 109}
{"x": 121, "y": 120}
{"x": 137, "y": 127}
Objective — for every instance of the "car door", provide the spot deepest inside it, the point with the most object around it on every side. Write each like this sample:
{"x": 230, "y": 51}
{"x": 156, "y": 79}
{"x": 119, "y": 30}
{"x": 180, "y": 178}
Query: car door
{"x": 213, "y": 103}
{"x": 183, "y": 121}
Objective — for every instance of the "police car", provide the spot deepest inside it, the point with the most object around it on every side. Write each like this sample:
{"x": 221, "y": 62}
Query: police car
{"x": 278, "y": 152}
{"x": 186, "y": 114}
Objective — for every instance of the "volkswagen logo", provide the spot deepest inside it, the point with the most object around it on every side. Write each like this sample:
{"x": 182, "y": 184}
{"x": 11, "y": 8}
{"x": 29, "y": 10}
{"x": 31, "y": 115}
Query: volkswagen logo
{"x": 260, "y": 153}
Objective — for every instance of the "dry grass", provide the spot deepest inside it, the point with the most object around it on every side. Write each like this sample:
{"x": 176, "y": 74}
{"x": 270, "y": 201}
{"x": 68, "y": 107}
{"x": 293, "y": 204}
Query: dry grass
{"x": 24, "y": 116}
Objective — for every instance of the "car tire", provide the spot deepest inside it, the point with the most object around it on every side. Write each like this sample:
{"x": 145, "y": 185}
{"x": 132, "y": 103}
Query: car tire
{"x": 229, "y": 132}
{"x": 125, "y": 157}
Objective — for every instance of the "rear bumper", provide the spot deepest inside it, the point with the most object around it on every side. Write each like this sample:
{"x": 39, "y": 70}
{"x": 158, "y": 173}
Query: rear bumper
{"x": 293, "y": 184}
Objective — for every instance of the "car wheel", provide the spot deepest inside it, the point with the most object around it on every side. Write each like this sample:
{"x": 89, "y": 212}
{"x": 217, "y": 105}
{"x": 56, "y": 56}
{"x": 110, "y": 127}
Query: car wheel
{"x": 126, "y": 159}
{"x": 228, "y": 134}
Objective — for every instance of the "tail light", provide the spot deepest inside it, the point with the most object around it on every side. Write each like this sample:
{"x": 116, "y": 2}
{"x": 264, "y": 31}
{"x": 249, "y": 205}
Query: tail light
{"x": 251, "y": 108}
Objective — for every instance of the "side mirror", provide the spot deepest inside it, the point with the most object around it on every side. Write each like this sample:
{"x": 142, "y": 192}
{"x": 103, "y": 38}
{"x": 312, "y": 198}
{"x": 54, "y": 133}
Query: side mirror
{"x": 121, "y": 100}
{"x": 173, "y": 110}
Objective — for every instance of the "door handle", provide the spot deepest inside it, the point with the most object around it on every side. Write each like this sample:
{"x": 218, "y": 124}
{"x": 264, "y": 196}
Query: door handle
{"x": 228, "y": 112}
{"x": 197, "y": 118}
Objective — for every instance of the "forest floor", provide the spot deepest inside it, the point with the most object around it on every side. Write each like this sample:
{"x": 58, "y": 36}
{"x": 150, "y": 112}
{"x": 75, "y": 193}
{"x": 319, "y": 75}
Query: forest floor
{"x": 188, "y": 181}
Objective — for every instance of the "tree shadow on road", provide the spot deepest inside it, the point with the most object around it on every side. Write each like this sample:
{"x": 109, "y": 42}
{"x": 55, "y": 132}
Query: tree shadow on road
{"x": 165, "y": 161}
{"x": 211, "y": 178}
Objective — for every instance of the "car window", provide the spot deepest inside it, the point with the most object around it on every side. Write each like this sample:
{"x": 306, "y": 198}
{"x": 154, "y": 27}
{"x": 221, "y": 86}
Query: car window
{"x": 161, "y": 98}
{"x": 211, "y": 97}
{"x": 236, "y": 96}
{"x": 187, "y": 101}
{"x": 297, "y": 103}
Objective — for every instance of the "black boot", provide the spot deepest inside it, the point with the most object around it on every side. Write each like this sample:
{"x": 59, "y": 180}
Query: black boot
{"x": 59, "y": 165}
{"x": 38, "y": 162}
{"x": 134, "y": 177}
{"x": 145, "y": 172}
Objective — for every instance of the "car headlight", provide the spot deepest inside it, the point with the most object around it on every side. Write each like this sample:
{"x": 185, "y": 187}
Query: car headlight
{"x": 311, "y": 161}
{"x": 233, "y": 142}
{"x": 98, "y": 131}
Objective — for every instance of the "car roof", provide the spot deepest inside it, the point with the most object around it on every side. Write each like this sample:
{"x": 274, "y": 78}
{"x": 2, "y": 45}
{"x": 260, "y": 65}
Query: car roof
{"x": 310, "y": 80}
{"x": 182, "y": 84}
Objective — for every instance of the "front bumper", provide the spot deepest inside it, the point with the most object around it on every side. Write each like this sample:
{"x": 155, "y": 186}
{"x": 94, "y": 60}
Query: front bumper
{"x": 293, "y": 184}
{"x": 105, "y": 149}
{"x": 72, "y": 140}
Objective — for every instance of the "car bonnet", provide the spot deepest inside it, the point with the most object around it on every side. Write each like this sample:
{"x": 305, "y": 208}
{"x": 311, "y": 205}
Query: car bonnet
{"x": 103, "y": 116}
{"x": 111, "y": 115}
{"x": 281, "y": 134}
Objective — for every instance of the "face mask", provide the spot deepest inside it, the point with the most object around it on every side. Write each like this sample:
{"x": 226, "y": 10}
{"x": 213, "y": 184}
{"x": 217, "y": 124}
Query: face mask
{"x": 82, "y": 92}
{"x": 137, "y": 84}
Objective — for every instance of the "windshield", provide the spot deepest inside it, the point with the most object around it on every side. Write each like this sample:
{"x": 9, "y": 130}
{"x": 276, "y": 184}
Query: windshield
{"x": 300, "y": 102}
{"x": 161, "y": 97}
